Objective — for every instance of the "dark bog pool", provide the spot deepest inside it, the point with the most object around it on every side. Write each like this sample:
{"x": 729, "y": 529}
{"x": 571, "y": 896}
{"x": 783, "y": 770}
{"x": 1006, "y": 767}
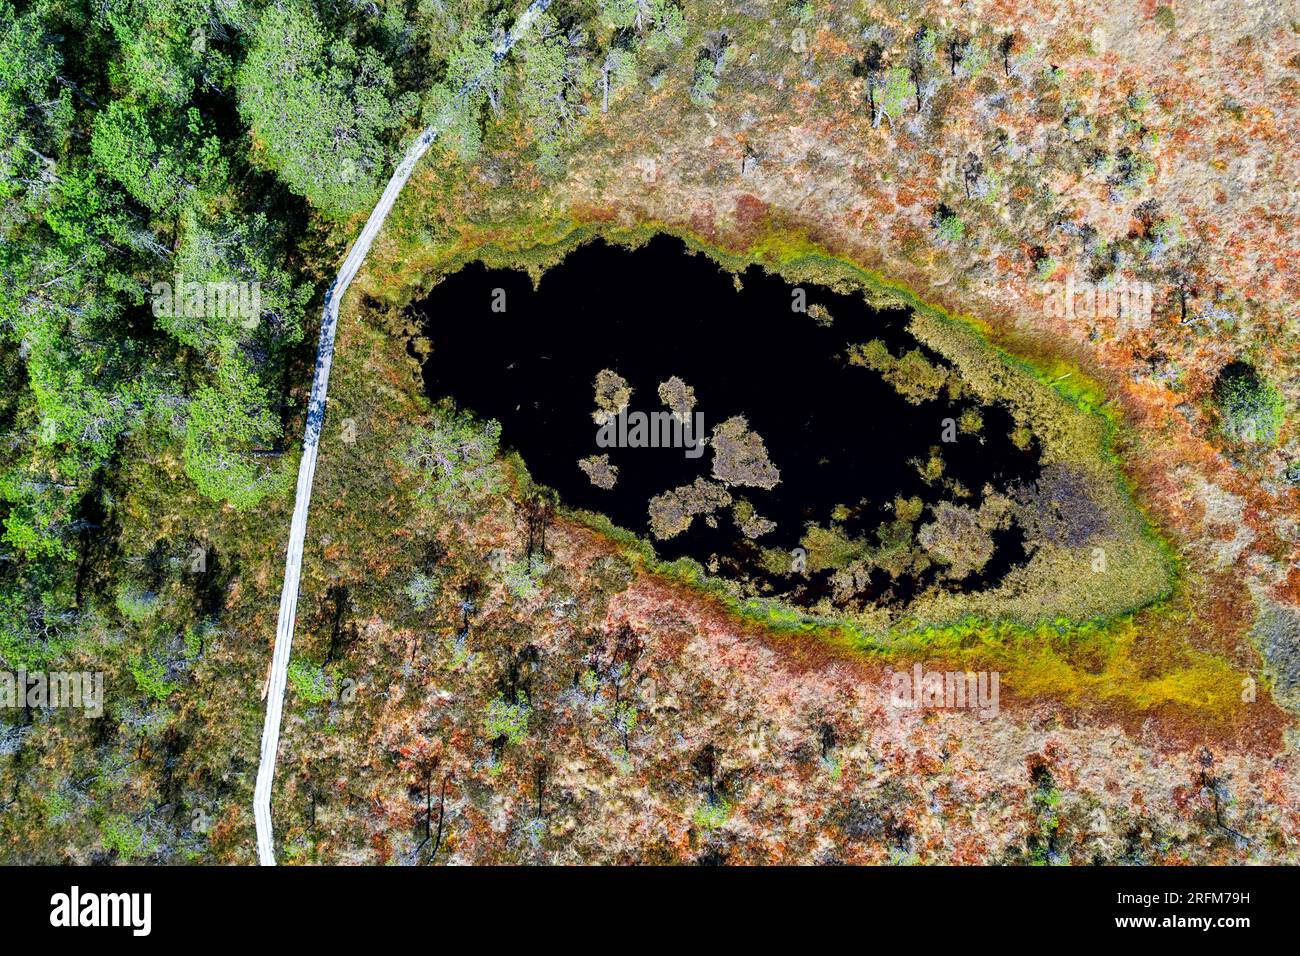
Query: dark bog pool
{"x": 839, "y": 434}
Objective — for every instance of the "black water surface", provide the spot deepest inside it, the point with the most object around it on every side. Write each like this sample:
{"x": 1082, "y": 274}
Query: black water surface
{"x": 840, "y": 435}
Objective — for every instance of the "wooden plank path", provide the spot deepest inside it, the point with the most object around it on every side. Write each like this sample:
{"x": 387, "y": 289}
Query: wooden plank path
{"x": 316, "y": 418}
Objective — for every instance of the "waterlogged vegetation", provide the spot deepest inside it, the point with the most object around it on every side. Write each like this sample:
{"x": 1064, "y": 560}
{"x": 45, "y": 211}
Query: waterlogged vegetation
{"x": 877, "y": 464}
